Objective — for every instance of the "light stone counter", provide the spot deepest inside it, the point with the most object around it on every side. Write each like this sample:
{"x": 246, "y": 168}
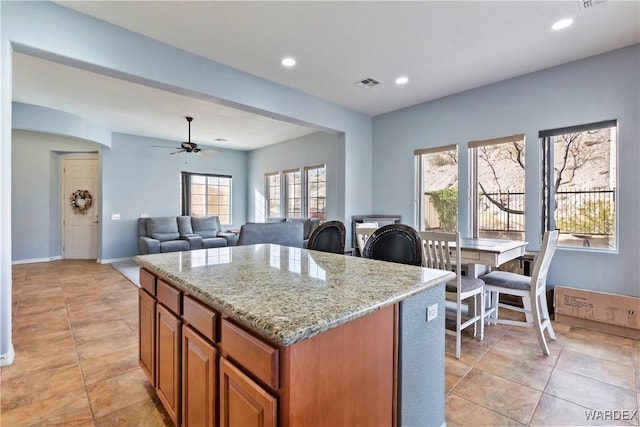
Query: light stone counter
{"x": 290, "y": 294}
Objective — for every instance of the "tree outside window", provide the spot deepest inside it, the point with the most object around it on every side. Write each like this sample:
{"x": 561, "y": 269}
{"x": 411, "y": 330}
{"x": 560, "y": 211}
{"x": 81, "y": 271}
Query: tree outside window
{"x": 579, "y": 165}
{"x": 438, "y": 188}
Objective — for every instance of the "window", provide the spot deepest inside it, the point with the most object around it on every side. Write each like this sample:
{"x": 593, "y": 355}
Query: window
{"x": 316, "y": 196}
{"x": 498, "y": 187}
{"x": 293, "y": 193}
{"x": 205, "y": 195}
{"x": 437, "y": 202}
{"x": 579, "y": 184}
{"x": 272, "y": 185}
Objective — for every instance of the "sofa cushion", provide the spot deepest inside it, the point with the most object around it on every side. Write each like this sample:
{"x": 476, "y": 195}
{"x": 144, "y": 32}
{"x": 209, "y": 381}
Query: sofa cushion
{"x": 206, "y": 226}
{"x": 174, "y": 246}
{"x": 306, "y": 224}
{"x": 184, "y": 225}
{"x": 280, "y": 233}
{"x": 163, "y": 228}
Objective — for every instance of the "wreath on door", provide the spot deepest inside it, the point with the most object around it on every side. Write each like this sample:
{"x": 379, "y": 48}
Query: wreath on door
{"x": 81, "y": 201}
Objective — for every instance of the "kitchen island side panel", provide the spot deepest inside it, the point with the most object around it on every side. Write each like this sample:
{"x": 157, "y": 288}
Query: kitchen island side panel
{"x": 421, "y": 361}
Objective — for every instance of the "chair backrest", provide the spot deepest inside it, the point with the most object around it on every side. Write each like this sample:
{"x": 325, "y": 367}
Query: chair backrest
{"x": 328, "y": 237}
{"x": 395, "y": 243}
{"x": 280, "y": 233}
{"x": 441, "y": 250}
{"x": 363, "y": 231}
{"x": 543, "y": 261}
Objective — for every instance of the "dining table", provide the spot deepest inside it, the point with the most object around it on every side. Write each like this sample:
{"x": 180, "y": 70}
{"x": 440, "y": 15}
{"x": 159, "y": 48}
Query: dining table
{"x": 481, "y": 254}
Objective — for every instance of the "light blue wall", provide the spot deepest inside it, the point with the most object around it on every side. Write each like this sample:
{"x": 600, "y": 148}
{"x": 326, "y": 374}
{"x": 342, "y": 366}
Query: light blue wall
{"x": 315, "y": 149}
{"x": 140, "y": 179}
{"x": 36, "y": 189}
{"x": 591, "y": 90}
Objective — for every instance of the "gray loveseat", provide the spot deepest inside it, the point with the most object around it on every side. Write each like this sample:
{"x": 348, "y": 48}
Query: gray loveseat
{"x": 181, "y": 233}
{"x": 308, "y": 225}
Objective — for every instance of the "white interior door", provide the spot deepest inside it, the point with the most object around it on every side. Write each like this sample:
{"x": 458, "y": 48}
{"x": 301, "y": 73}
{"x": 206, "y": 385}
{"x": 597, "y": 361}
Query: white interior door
{"x": 80, "y": 227}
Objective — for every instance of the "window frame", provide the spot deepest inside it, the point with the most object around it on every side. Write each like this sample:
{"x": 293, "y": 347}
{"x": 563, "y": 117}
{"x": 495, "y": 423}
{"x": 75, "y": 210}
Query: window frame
{"x": 268, "y": 196}
{"x": 287, "y": 174}
{"x": 306, "y": 195}
{"x": 185, "y": 187}
{"x": 548, "y": 202}
{"x": 420, "y": 208}
{"x": 474, "y": 194}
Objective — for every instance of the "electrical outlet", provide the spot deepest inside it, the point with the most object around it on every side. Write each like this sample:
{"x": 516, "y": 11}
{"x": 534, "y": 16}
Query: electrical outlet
{"x": 115, "y": 217}
{"x": 432, "y": 312}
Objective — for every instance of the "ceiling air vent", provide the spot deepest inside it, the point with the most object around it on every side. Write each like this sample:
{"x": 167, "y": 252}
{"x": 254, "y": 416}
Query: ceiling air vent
{"x": 587, "y": 4}
{"x": 367, "y": 82}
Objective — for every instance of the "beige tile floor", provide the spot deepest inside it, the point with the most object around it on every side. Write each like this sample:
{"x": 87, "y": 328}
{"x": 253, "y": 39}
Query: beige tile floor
{"x": 75, "y": 336}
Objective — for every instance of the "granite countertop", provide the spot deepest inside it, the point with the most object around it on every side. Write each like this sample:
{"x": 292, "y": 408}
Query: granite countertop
{"x": 290, "y": 294}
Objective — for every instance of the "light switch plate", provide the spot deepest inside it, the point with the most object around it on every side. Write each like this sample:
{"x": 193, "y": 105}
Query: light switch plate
{"x": 115, "y": 217}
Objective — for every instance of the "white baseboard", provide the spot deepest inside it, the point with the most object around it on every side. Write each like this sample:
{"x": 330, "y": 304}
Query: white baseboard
{"x": 112, "y": 260}
{"x": 35, "y": 260}
{"x": 7, "y": 358}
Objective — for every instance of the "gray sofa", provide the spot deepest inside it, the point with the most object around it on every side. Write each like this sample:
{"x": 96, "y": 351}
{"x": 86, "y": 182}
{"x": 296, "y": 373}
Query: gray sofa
{"x": 181, "y": 233}
{"x": 280, "y": 233}
{"x": 308, "y": 224}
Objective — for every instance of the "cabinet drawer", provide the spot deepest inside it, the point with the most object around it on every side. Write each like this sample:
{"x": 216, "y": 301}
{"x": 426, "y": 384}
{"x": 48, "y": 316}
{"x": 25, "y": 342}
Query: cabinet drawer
{"x": 201, "y": 318}
{"x": 148, "y": 281}
{"x": 169, "y": 296}
{"x": 258, "y": 357}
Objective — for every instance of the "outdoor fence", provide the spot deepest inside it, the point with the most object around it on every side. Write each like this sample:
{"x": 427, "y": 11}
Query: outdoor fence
{"x": 577, "y": 212}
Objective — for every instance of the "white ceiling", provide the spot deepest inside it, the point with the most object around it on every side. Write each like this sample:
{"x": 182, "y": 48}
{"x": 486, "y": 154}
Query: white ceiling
{"x": 443, "y": 47}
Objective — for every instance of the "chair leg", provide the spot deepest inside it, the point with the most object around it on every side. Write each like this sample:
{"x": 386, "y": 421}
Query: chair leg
{"x": 458, "y": 330}
{"x": 479, "y": 325}
{"x": 546, "y": 317}
{"x": 537, "y": 324}
{"x": 526, "y": 303}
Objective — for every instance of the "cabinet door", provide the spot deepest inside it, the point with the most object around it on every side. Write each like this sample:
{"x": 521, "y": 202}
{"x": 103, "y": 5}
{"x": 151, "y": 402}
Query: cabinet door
{"x": 199, "y": 376}
{"x": 243, "y": 403}
{"x": 147, "y": 334}
{"x": 168, "y": 361}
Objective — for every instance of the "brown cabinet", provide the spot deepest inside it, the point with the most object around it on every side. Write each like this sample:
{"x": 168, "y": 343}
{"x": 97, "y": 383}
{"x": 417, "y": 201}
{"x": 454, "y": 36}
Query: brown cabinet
{"x": 213, "y": 371}
{"x": 168, "y": 360}
{"x": 147, "y": 334}
{"x": 243, "y": 403}
{"x": 199, "y": 380}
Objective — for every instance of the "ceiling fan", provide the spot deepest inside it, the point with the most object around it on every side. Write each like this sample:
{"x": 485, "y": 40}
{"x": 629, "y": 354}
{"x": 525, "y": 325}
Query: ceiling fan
{"x": 191, "y": 147}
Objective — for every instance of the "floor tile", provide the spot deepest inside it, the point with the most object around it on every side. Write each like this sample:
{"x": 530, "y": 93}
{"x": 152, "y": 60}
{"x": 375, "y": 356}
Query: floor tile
{"x": 46, "y": 383}
{"x": 100, "y": 347}
{"x": 454, "y": 371}
{"x": 530, "y": 374}
{"x": 62, "y": 409}
{"x": 526, "y": 347}
{"x": 147, "y": 413}
{"x": 462, "y": 412}
{"x": 119, "y": 392}
{"x": 505, "y": 397}
{"x": 589, "y": 392}
{"x": 552, "y": 411}
{"x": 100, "y": 330}
{"x": 613, "y": 351}
{"x": 109, "y": 365}
{"x": 616, "y": 373}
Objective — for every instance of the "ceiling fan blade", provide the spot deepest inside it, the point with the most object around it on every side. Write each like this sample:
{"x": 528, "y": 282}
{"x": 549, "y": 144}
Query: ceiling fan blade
{"x": 178, "y": 151}
{"x": 213, "y": 150}
{"x": 163, "y": 146}
{"x": 202, "y": 153}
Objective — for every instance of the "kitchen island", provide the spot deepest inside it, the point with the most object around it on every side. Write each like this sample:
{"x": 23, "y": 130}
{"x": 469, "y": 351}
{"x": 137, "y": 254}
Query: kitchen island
{"x": 274, "y": 335}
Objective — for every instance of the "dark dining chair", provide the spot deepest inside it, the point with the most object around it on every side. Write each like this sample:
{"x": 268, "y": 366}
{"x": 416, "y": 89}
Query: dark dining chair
{"x": 395, "y": 243}
{"x": 328, "y": 237}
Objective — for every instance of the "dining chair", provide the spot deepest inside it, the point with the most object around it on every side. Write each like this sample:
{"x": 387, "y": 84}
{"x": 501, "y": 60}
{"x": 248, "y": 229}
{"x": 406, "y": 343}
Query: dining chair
{"x": 442, "y": 251}
{"x": 363, "y": 231}
{"x": 328, "y": 237}
{"x": 395, "y": 243}
{"x": 532, "y": 290}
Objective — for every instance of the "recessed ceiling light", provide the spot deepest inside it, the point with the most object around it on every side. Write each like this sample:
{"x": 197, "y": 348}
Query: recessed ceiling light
{"x": 563, "y": 23}
{"x": 402, "y": 80}
{"x": 288, "y": 62}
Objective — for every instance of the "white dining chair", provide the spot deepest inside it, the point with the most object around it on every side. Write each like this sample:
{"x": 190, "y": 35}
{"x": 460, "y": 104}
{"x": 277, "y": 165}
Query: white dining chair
{"x": 363, "y": 231}
{"x": 442, "y": 251}
{"x": 533, "y": 291}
